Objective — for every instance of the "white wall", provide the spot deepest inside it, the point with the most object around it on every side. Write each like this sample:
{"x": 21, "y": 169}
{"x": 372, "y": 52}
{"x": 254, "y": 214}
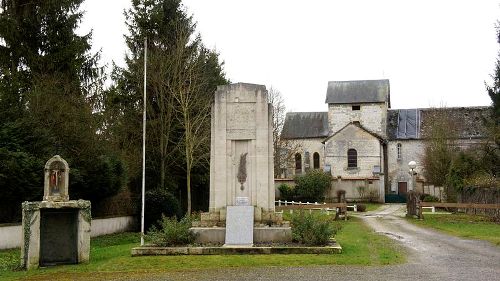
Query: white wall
{"x": 11, "y": 235}
{"x": 112, "y": 225}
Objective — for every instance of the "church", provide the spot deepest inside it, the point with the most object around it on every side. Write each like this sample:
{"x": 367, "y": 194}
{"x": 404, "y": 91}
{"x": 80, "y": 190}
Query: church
{"x": 366, "y": 145}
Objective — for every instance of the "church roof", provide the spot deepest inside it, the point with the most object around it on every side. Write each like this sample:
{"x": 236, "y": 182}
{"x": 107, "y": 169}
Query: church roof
{"x": 360, "y": 91}
{"x": 300, "y": 125}
{"x": 465, "y": 122}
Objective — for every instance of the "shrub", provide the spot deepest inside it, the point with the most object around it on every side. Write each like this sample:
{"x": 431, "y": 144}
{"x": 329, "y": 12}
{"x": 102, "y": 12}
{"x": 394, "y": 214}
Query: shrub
{"x": 158, "y": 203}
{"x": 430, "y": 198}
{"x": 171, "y": 232}
{"x": 286, "y": 191}
{"x": 312, "y": 186}
{"x": 362, "y": 190}
{"x": 361, "y": 208}
{"x": 373, "y": 195}
{"x": 313, "y": 228}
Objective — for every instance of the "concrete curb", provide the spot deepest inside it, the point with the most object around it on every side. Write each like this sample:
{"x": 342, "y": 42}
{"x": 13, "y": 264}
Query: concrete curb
{"x": 169, "y": 251}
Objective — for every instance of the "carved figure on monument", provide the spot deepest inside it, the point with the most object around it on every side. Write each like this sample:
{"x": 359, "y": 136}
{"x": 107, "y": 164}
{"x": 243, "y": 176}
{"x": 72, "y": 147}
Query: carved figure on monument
{"x": 242, "y": 170}
{"x": 56, "y": 180}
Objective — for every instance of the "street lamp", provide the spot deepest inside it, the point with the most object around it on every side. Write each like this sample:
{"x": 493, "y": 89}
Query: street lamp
{"x": 412, "y": 165}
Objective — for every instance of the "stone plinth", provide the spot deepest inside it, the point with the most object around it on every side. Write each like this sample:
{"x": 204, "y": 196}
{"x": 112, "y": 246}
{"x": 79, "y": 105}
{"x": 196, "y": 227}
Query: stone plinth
{"x": 263, "y": 234}
{"x": 239, "y": 226}
{"x": 55, "y": 233}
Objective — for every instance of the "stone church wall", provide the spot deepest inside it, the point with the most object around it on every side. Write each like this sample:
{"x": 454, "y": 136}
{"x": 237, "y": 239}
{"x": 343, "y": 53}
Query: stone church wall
{"x": 372, "y": 116}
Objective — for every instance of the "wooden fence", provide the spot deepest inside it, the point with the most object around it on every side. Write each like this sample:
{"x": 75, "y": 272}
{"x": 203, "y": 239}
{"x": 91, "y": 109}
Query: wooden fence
{"x": 459, "y": 206}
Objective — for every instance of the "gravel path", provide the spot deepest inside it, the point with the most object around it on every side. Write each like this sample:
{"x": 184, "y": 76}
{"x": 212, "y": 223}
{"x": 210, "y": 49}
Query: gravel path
{"x": 432, "y": 256}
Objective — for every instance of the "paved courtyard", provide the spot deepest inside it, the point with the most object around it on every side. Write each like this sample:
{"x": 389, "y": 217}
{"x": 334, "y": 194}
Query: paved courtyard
{"x": 431, "y": 256}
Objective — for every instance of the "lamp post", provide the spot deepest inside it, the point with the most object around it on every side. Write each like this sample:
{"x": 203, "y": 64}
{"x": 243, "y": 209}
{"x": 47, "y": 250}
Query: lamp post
{"x": 412, "y": 165}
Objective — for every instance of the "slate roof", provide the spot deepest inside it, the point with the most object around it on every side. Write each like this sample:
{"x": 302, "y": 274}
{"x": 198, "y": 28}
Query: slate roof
{"x": 300, "y": 125}
{"x": 361, "y": 91}
{"x": 468, "y": 122}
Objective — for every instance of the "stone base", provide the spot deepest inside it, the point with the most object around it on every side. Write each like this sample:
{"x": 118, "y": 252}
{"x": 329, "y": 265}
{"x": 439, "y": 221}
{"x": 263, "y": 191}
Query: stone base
{"x": 260, "y": 234}
{"x": 261, "y": 218}
{"x": 169, "y": 251}
{"x": 31, "y": 247}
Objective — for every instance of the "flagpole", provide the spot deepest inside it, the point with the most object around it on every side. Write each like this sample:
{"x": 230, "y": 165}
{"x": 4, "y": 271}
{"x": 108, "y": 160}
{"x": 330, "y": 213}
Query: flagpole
{"x": 144, "y": 144}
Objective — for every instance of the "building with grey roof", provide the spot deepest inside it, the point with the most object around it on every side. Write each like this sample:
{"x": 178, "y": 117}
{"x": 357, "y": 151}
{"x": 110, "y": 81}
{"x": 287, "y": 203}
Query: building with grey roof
{"x": 366, "y": 145}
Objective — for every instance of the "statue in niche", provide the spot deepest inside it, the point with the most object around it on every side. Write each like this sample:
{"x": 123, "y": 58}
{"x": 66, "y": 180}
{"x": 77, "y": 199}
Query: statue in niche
{"x": 242, "y": 170}
{"x": 56, "y": 177}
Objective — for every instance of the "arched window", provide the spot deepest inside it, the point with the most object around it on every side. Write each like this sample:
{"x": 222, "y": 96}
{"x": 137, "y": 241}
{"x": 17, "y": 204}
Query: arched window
{"x": 316, "y": 160}
{"x": 352, "y": 158}
{"x": 399, "y": 151}
{"x": 298, "y": 163}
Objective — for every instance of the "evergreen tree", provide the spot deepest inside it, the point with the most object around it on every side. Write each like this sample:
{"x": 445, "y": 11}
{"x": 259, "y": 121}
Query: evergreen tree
{"x": 494, "y": 90}
{"x": 49, "y": 93}
{"x": 173, "y": 49}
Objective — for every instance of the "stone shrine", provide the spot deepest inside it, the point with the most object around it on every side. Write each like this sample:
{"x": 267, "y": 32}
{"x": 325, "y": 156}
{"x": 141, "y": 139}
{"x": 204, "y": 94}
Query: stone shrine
{"x": 55, "y": 230}
{"x": 242, "y": 191}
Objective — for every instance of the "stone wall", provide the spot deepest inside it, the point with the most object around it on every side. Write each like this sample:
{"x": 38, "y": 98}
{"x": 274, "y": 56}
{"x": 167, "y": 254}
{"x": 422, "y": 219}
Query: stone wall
{"x": 375, "y": 185}
{"x": 310, "y": 145}
{"x": 372, "y": 116}
{"x": 368, "y": 147}
{"x": 11, "y": 233}
{"x": 411, "y": 150}
{"x": 414, "y": 150}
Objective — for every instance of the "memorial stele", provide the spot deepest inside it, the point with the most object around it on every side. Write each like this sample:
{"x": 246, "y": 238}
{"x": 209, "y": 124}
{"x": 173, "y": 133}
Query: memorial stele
{"x": 241, "y": 160}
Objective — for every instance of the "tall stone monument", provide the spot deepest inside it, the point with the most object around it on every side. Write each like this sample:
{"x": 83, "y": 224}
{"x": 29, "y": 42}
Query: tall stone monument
{"x": 241, "y": 167}
{"x": 55, "y": 230}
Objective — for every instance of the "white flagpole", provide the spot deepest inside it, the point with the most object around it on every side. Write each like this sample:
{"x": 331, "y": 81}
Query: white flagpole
{"x": 144, "y": 144}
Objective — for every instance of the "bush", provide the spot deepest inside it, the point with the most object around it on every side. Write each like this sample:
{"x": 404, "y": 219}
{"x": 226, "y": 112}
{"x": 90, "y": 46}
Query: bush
{"x": 313, "y": 229}
{"x": 286, "y": 191}
{"x": 373, "y": 195}
{"x": 361, "y": 208}
{"x": 312, "y": 186}
{"x": 362, "y": 191}
{"x": 171, "y": 232}
{"x": 430, "y": 198}
{"x": 158, "y": 203}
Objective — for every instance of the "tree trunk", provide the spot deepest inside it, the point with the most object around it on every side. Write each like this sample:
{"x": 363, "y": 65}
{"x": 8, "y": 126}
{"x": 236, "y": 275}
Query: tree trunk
{"x": 188, "y": 175}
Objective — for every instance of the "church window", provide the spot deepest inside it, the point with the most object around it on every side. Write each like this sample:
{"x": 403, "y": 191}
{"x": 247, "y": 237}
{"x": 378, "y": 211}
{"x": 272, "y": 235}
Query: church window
{"x": 298, "y": 163}
{"x": 352, "y": 158}
{"x": 356, "y": 107}
{"x": 399, "y": 151}
{"x": 316, "y": 160}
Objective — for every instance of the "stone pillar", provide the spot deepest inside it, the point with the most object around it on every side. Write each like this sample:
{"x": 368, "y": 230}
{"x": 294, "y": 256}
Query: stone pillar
{"x": 241, "y": 151}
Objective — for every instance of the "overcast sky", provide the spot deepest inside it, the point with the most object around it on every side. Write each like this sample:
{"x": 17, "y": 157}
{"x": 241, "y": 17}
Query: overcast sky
{"x": 434, "y": 53}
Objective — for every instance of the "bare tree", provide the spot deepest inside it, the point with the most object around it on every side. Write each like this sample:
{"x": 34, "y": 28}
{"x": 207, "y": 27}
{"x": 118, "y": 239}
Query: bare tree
{"x": 276, "y": 99}
{"x": 192, "y": 104}
{"x": 160, "y": 108}
{"x": 284, "y": 149}
{"x": 439, "y": 131}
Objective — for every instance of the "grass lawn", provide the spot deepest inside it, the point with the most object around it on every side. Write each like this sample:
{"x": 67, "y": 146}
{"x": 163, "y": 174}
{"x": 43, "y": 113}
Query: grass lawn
{"x": 110, "y": 257}
{"x": 372, "y": 206}
{"x": 462, "y": 225}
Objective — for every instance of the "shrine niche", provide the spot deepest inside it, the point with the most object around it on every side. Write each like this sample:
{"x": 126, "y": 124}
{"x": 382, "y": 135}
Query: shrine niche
{"x": 56, "y": 180}
{"x": 55, "y": 230}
